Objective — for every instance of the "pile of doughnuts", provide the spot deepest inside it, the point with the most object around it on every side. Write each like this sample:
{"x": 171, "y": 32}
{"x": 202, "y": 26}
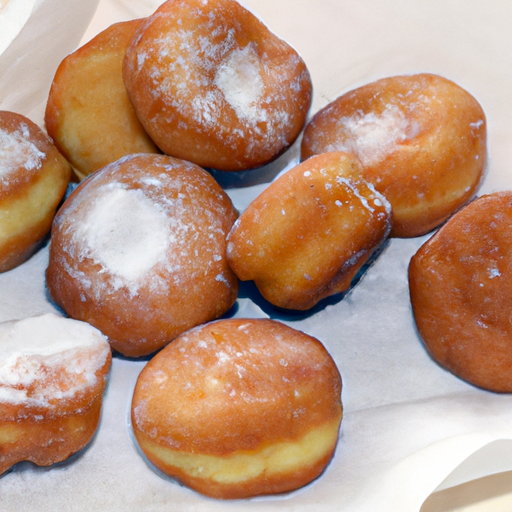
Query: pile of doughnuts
{"x": 147, "y": 251}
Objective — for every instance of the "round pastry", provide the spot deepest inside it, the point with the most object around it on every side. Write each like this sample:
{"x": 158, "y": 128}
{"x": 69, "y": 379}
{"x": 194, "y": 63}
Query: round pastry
{"x": 460, "y": 282}
{"x": 307, "y": 235}
{"x": 421, "y": 140}
{"x": 33, "y": 180}
{"x": 212, "y": 85}
{"x": 88, "y": 114}
{"x": 138, "y": 251}
{"x": 239, "y": 408}
{"x": 53, "y": 372}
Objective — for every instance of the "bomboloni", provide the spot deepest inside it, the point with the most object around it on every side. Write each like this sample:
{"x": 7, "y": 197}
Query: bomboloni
{"x": 139, "y": 251}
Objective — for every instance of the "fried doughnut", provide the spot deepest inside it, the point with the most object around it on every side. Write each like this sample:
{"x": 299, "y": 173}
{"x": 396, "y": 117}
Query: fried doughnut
{"x": 138, "y": 250}
{"x": 239, "y": 408}
{"x": 421, "y": 140}
{"x": 33, "y": 180}
{"x": 88, "y": 113}
{"x": 53, "y": 372}
{"x": 309, "y": 233}
{"x": 460, "y": 282}
{"x": 212, "y": 85}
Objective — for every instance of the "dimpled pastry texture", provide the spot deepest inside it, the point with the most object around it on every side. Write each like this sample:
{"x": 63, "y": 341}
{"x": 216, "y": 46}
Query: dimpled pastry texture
{"x": 308, "y": 234}
{"x": 138, "y": 250}
{"x": 33, "y": 179}
{"x": 460, "y": 282}
{"x": 53, "y": 372}
{"x": 239, "y": 407}
{"x": 212, "y": 85}
{"x": 421, "y": 140}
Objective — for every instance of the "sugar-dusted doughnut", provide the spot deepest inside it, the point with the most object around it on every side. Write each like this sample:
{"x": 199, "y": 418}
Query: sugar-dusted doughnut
{"x": 212, "y": 85}
{"x": 307, "y": 235}
{"x": 239, "y": 408}
{"x": 33, "y": 180}
{"x": 460, "y": 282}
{"x": 139, "y": 251}
{"x": 53, "y": 372}
{"x": 88, "y": 113}
{"x": 421, "y": 140}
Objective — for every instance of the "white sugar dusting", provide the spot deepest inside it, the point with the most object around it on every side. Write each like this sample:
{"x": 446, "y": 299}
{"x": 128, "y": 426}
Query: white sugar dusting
{"x": 238, "y": 77}
{"x": 16, "y": 151}
{"x": 125, "y": 232}
{"x": 32, "y": 348}
{"x": 373, "y": 136}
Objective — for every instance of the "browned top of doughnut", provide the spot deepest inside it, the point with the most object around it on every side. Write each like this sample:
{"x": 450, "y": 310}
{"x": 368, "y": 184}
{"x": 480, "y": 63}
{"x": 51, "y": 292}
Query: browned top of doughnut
{"x": 460, "y": 282}
{"x": 236, "y": 384}
{"x": 26, "y": 152}
{"x": 211, "y": 84}
{"x": 420, "y": 138}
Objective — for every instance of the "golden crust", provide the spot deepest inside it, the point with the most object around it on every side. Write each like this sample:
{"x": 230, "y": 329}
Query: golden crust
{"x": 460, "y": 282}
{"x": 33, "y": 180}
{"x": 239, "y": 407}
{"x": 88, "y": 113}
{"x": 212, "y": 85}
{"x": 307, "y": 235}
{"x": 167, "y": 270}
{"x": 421, "y": 140}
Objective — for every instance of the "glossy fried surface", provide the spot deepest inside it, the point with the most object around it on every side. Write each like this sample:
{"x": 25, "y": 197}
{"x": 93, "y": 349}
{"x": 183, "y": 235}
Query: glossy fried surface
{"x": 460, "y": 282}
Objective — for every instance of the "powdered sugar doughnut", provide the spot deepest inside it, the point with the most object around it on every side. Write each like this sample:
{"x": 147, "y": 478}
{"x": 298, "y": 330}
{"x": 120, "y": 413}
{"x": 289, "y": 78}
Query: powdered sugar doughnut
{"x": 212, "y": 85}
{"x": 308, "y": 233}
{"x": 138, "y": 250}
{"x": 239, "y": 408}
{"x": 33, "y": 179}
{"x": 421, "y": 140}
{"x": 88, "y": 113}
{"x": 53, "y": 373}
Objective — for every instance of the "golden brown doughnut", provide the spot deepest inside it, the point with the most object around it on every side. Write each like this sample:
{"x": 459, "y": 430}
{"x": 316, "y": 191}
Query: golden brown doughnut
{"x": 460, "y": 282}
{"x": 239, "y": 408}
{"x": 138, "y": 251}
{"x": 212, "y": 85}
{"x": 33, "y": 180}
{"x": 53, "y": 372}
{"x": 421, "y": 140}
{"x": 309, "y": 233}
{"x": 88, "y": 114}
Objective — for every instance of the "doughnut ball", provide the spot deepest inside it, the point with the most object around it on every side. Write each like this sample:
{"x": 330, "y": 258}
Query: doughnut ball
{"x": 139, "y": 251}
{"x": 53, "y": 372}
{"x": 33, "y": 180}
{"x": 310, "y": 232}
{"x": 212, "y": 85}
{"x": 460, "y": 282}
{"x": 88, "y": 113}
{"x": 421, "y": 140}
{"x": 239, "y": 408}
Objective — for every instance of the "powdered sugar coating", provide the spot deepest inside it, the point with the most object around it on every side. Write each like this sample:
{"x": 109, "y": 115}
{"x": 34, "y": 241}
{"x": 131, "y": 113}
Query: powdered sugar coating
{"x": 228, "y": 93}
{"x": 114, "y": 230}
{"x": 18, "y": 151}
{"x": 371, "y": 136}
{"x": 48, "y": 358}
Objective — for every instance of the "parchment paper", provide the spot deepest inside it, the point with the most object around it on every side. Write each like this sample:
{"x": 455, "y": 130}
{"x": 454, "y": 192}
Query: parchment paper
{"x": 407, "y": 424}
